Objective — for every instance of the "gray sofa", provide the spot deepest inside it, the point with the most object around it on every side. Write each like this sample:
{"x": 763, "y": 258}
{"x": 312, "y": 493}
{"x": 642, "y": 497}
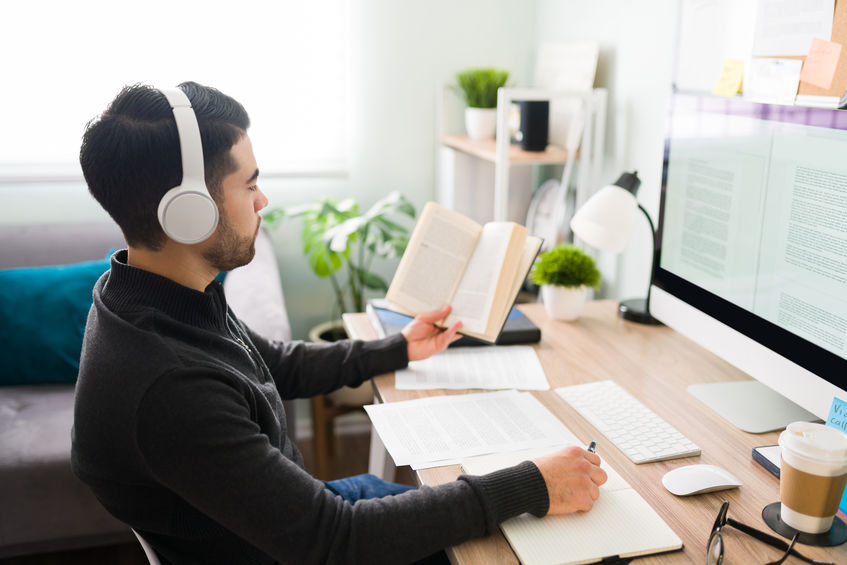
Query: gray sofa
{"x": 43, "y": 507}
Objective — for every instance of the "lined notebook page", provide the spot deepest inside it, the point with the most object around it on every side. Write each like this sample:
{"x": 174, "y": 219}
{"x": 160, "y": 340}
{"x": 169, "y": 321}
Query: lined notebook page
{"x": 620, "y": 523}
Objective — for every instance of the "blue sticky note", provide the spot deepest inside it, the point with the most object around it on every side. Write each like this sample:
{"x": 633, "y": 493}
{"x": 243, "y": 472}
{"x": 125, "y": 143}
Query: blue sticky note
{"x": 838, "y": 419}
{"x": 837, "y": 414}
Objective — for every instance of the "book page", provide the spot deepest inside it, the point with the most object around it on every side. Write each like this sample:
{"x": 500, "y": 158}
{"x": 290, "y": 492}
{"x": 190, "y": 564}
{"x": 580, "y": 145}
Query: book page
{"x": 497, "y": 367}
{"x": 531, "y": 247}
{"x": 435, "y": 259}
{"x": 493, "y": 260}
{"x": 441, "y": 428}
{"x": 518, "y": 260}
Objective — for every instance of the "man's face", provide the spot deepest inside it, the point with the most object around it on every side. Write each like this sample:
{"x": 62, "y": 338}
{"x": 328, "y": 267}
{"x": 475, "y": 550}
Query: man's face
{"x": 233, "y": 243}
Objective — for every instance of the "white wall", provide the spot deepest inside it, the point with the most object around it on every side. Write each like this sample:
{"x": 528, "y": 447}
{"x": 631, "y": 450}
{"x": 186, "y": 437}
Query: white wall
{"x": 637, "y": 52}
{"x": 398, "y": 53}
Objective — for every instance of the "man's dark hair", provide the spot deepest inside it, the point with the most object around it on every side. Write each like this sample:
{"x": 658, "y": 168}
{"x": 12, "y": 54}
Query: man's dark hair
{"x": 130, "y": 153}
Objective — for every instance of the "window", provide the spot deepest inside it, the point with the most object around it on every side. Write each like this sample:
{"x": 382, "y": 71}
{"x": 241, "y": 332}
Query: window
{"x": 64, "y": 61}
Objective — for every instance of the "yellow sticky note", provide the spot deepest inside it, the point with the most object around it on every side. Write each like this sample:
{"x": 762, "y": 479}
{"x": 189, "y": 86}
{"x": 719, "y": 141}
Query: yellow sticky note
{"x": 729, "y": 82}
{"x": 819, "y": 66}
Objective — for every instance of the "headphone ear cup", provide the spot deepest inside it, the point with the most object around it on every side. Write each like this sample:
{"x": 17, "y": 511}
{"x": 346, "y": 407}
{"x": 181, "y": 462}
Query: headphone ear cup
{"x": 187, "y": 215}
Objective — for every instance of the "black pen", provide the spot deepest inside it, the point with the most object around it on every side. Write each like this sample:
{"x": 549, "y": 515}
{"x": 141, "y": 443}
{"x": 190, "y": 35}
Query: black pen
{"x": 592, "y": 446}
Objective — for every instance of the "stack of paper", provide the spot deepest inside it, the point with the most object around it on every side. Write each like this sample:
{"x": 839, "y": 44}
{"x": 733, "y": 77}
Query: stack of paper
{"x": 443, "y": 429}
{"x": 498, "y": 367}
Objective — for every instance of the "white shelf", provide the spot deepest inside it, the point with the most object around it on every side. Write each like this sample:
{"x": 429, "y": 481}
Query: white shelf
{"x": 486, "y": 149}
{"x": 508, "y": 159}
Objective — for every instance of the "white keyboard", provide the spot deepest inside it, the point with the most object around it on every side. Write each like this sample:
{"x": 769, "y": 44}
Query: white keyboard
{"x": 632, "y": 427}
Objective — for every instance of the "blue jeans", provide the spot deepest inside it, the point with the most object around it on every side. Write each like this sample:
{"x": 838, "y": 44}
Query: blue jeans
{"x": 360, "y": 487}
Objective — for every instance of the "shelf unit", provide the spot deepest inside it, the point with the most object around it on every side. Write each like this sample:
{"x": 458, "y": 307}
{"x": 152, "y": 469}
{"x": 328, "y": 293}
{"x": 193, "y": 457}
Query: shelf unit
{"x": 465, "y": 165}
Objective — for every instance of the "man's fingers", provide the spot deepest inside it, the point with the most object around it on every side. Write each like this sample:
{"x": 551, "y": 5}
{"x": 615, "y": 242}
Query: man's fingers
{"x": 449, "y": 335}
{"x": 435, "y": 315}
{"x": 598, "y": 475}
{"x": 593, "y": 491}
{"x": 592, "y": 457}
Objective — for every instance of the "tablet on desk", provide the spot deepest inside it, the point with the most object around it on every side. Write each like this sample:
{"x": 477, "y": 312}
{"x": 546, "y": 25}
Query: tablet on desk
{"x": 517, "y": 329}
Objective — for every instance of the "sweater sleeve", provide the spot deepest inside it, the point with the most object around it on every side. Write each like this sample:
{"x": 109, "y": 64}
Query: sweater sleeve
{"x": 303, "y": 369}
{"x": 196, "y": 436}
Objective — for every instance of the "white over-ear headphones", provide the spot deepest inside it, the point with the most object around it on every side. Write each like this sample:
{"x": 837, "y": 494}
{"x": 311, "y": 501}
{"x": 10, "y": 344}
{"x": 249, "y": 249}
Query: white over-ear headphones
{"x": 187, "y": 212}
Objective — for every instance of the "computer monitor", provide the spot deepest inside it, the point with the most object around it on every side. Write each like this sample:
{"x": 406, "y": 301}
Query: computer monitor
{"x": 752, "y": 258}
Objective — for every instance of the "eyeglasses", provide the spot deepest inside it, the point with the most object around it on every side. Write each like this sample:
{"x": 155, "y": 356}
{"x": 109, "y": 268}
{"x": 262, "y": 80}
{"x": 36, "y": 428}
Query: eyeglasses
{"x": 714, "y": 550}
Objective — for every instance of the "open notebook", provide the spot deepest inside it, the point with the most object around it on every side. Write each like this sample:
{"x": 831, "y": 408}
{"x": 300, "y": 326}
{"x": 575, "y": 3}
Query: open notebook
{"x": 621, "y": 523}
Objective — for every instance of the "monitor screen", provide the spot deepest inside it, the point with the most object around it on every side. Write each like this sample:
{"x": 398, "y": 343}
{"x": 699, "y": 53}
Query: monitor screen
{"x": 752, "y": 236}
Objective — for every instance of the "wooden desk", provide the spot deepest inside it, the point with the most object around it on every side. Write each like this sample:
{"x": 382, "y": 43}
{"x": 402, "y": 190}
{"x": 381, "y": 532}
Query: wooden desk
{"x": 656, "y": 365}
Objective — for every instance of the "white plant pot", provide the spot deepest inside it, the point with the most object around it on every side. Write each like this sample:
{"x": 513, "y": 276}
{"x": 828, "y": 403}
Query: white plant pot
{"x": 481, "y": 123}
{"x": 563, "y": 302}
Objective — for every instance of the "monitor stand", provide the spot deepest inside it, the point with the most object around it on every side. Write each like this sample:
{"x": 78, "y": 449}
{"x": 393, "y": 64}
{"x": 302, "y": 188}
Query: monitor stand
{"x": 750, "y": 405}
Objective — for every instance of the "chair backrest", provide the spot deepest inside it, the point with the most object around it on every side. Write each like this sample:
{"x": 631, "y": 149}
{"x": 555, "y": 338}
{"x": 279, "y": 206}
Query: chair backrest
{"x": 148, "y": 550}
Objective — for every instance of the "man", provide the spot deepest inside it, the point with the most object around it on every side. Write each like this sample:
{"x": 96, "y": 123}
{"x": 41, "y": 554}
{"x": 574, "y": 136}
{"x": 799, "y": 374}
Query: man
{"x": 179, "y": 424}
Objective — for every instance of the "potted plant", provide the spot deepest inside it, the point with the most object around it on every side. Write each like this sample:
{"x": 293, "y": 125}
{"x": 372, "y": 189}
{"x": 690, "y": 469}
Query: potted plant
{"x": 341, "y": 244}
{"x": 564, "y": 272}
{"x": 479, "y": 90}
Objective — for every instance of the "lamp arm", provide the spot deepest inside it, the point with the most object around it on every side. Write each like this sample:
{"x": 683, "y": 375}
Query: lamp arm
{"x": 653, "y": 259}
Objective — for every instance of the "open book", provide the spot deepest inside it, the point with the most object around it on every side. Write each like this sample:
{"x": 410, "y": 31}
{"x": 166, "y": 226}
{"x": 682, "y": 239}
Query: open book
{"x": 477, "y": 269}
{"x": 621, "y": 524}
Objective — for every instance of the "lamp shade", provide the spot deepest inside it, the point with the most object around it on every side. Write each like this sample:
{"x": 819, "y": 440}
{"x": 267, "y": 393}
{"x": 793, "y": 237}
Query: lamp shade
{"x": 605, "y": 221}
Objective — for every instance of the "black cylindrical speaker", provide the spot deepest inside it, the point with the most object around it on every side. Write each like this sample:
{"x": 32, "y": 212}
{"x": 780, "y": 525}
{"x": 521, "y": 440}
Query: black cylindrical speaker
{"x": 535, "y": 122}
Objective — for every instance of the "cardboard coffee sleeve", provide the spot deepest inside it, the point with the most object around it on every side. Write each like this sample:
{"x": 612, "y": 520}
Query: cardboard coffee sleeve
{"x": 813, "y": 472}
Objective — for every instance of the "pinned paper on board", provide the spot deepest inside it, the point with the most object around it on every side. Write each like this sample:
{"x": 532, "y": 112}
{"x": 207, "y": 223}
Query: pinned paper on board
{"x": 772, "y": 80}
{"x": 785, "y": 28}
{"x": 729, "y": 81}
{"x": 819, "y": 66}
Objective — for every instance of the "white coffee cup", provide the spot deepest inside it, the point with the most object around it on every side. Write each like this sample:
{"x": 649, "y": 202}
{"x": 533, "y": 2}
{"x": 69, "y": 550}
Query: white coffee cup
{"x": 813, "y": 472}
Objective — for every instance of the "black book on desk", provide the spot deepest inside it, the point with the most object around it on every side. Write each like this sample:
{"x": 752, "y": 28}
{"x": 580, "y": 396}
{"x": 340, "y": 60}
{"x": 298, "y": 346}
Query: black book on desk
{"x": 517, "y": 329}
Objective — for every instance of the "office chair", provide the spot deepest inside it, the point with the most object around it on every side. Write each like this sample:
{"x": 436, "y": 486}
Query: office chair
{"x": 148, "y": 550}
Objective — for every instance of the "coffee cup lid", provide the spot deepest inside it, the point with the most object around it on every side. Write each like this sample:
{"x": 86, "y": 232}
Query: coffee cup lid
{"x": 815, "y": 441}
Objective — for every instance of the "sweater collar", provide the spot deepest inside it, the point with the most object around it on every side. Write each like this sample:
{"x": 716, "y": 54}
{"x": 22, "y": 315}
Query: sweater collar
{"x": 129, "y": 288}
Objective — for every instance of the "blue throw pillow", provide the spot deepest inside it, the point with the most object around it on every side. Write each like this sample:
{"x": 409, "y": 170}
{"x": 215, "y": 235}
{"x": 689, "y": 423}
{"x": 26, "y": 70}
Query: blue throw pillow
{"x": 42, "y": 319}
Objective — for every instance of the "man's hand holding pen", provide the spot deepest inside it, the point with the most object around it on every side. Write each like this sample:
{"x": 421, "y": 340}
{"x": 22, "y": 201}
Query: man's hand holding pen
{"x": 573, "y": 476}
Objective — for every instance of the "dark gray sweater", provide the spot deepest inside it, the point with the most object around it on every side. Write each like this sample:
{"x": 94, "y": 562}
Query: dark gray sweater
{"x": 179, "y": 430}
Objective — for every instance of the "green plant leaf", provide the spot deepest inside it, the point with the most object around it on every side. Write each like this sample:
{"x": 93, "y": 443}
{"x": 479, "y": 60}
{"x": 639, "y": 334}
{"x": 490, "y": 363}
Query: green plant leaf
{"x": 323, "y": 262}
{"x": 338, "y": 237}
{"x": 371, "y": 280}
{"x": 342, "y": 235}
{"x": 479, "y": 86}
{"x": 347, "y": 208}
{"x": 390, "y": 228}
{"x": 566, "y": 265}
{"x": 393, "y": 203}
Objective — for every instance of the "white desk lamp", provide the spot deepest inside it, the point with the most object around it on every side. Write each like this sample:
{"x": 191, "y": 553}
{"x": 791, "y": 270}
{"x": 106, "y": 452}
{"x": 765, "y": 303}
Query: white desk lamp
{"x": 605, "y": 221}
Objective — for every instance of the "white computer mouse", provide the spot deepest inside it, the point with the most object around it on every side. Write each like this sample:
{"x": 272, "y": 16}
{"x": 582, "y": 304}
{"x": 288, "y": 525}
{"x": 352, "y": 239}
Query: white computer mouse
{"x": 697, "y": 479}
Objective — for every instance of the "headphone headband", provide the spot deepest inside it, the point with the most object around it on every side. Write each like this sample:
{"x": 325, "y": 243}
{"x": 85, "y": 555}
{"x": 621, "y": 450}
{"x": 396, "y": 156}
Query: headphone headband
{"x": 190, "y": 146}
